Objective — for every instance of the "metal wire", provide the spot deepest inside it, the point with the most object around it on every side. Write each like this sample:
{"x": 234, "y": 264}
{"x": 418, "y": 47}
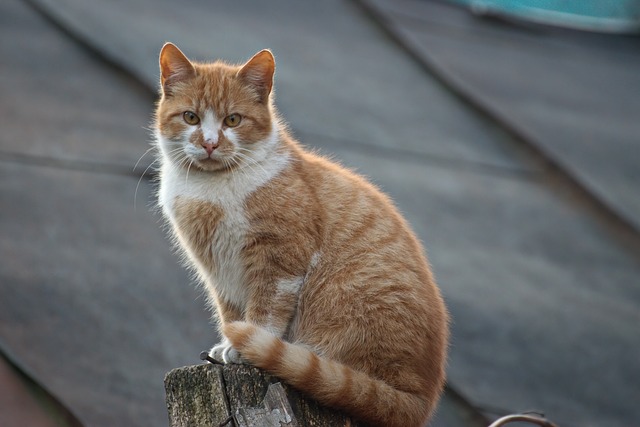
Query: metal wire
{"x": 533, "y": 419}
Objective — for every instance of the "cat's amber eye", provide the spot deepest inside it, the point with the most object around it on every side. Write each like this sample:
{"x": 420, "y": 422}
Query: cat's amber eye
{"x": 232, "y": 120}
{"x": 191, "y": 118}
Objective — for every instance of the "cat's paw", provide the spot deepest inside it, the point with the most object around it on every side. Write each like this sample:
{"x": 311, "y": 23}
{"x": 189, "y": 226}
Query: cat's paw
{"x": 225, "y": 353}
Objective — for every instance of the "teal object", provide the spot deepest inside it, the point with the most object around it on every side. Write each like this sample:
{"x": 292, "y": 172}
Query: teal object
{"x": 611, "y": 16}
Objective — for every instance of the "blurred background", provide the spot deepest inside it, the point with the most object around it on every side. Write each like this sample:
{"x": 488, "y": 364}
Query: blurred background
{"x": 508, "y": 132}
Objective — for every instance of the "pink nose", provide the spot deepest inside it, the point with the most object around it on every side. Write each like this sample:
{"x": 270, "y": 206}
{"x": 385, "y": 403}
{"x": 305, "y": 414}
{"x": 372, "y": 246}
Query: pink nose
{"x": 209, "y": 147}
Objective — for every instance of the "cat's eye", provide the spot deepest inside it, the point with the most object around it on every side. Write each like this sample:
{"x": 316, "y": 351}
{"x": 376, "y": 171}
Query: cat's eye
{"x": 191, "y": 118}
{"x": 232, "y": 120}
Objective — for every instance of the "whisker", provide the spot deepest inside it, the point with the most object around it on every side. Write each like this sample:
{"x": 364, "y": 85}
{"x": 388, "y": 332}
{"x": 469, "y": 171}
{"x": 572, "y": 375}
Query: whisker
{"x": 144, "y": 154}
{"x": 247, "y": 162}
{"x": 135, "y": 193}
{"x": 176, "y": 150}
{"x": 186, "y": 179}
{"x": 250, "y": 162}
{"x": 233, "y": 165}
{"x": 184, "y": 162}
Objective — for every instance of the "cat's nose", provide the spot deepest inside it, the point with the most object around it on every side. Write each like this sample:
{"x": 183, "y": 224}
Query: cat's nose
{"x": 209, "y": 146}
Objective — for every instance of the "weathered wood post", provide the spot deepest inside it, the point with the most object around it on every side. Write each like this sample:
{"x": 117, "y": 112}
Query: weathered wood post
{"x": 240, "y": 395}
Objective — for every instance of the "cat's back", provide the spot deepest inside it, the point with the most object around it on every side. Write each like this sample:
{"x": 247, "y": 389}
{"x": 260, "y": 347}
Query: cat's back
{"x": 356, "y": 214}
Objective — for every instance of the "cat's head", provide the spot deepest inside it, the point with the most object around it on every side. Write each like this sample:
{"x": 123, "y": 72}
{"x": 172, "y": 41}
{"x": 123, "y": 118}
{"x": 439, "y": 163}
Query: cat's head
{"x": 215, "y": 117}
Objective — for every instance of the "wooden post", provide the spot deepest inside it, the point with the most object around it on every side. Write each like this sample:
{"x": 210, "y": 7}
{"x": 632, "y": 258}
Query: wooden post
{"x": 211, "y": 395}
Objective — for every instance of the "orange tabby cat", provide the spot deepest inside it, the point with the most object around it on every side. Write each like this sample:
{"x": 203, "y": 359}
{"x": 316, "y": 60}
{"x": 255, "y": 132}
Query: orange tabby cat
{"x": 314, "y": 274}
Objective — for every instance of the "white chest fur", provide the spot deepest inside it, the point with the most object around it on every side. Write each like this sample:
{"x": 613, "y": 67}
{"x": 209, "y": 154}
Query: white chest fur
{"x": 228, "y": 192}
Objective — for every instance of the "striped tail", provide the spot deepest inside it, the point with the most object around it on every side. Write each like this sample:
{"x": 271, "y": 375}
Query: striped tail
{"x": 329, "y": 382}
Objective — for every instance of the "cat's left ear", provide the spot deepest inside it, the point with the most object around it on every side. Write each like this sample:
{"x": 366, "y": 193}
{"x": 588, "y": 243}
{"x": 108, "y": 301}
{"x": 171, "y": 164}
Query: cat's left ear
{"x": 258, "y": 73}
{"x": 174, "y": 67}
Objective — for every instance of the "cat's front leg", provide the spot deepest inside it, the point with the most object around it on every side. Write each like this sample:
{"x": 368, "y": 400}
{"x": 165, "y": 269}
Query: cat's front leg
{"x": 273, "y": 306}
{"x": 270, "y": 306}
{"x": 224, "y": 352}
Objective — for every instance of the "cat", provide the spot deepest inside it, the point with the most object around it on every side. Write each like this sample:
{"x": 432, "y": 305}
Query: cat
{"x": 314, "y": 274}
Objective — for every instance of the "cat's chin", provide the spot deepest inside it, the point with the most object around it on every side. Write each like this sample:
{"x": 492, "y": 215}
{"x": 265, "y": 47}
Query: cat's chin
{"x": 210, "y": 165}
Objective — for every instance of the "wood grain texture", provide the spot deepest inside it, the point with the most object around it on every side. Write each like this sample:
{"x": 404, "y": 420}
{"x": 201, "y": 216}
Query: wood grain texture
{"x": 196, "y": 396}
{"x": 207, "y": 395}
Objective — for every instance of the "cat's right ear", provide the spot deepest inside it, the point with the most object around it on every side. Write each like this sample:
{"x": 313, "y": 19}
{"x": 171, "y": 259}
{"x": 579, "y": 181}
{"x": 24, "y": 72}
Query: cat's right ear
{"x": 174, "y": 67}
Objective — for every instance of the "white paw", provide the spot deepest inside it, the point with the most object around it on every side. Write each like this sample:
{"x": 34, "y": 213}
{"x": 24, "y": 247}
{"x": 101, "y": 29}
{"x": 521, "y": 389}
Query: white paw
{"x": 225, "y": 353}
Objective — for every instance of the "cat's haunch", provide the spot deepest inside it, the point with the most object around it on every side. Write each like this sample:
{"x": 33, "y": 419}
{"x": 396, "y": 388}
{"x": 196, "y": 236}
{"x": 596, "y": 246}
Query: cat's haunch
{"x": 313, "y": 273}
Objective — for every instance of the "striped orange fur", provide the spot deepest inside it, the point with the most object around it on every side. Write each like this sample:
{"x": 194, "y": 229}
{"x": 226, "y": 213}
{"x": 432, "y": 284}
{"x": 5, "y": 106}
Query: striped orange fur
{"x": 313, "y": 273}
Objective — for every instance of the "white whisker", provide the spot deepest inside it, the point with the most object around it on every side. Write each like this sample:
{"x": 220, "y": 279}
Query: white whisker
{"x": 143, "y": 154}
{"x": 186, "y": 179}
{"x": 232, "y": 165}
{"x": 135, "y": 193}
{"x": 250, "y": 162}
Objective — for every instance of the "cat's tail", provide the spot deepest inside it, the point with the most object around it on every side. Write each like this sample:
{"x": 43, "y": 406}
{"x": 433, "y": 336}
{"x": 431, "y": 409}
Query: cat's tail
{"x": 329, "y": 382}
